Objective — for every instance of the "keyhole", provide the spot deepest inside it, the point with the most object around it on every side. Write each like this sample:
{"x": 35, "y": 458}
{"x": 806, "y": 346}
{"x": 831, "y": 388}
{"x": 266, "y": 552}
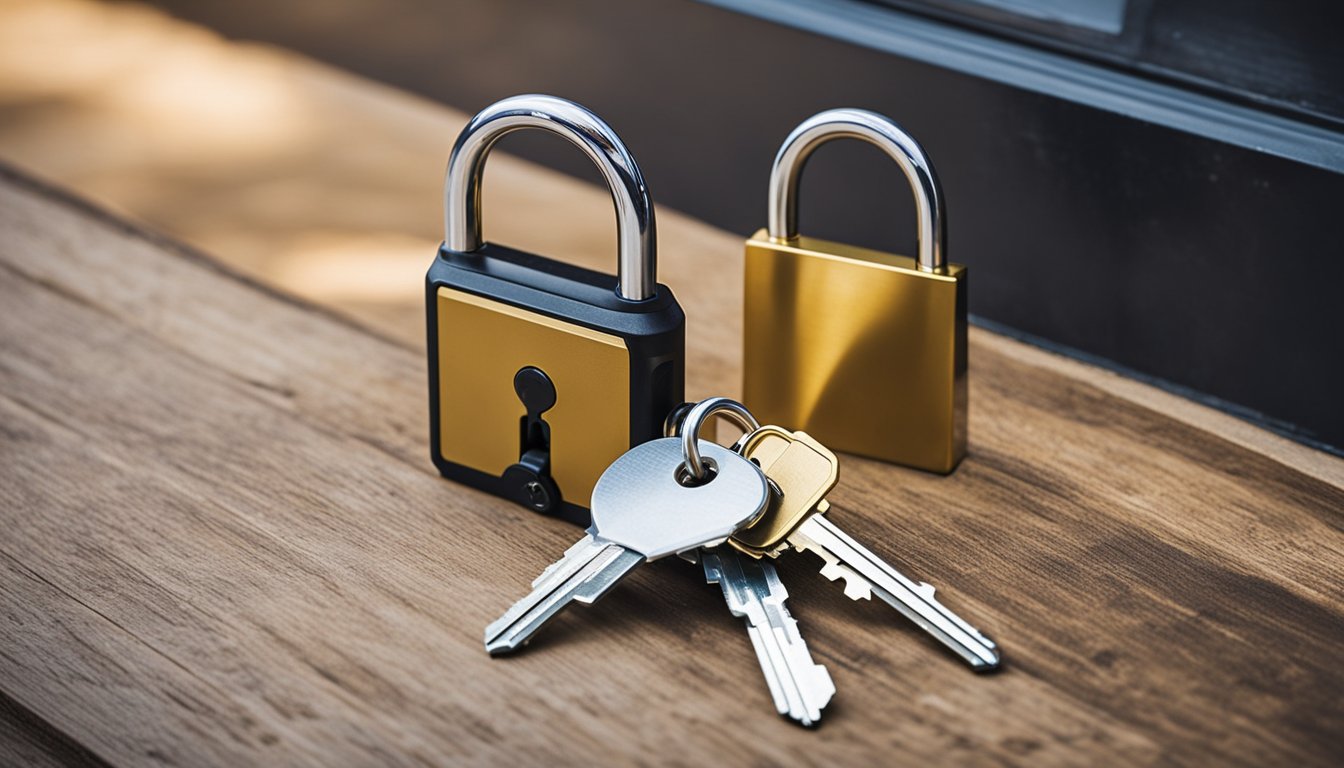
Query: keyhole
{"x": 529, "y": 481}
{"x": 537, "y": 392}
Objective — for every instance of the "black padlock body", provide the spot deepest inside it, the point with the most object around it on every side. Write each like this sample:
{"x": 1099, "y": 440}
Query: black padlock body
{"x": 652, "y": 330}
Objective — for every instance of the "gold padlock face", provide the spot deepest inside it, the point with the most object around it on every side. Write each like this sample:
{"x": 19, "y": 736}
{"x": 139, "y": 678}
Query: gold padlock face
{"x": 859, "y": 348}
{"x": 479, "y": 412}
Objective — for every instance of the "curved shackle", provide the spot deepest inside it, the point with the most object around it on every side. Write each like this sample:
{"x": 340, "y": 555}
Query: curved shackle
{"x": 636, "y": 266}
{"x": 882, "y": 132}
{"x": 695, "y": 419}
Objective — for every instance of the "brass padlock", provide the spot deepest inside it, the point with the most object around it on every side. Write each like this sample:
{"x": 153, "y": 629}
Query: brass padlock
{"x": 543, "y": 373}
{"x": 864, "y": 350}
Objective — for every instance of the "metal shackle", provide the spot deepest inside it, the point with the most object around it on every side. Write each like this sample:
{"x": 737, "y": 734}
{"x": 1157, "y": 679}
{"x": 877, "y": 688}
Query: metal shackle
{"x": 697, "y": 416}
{"x": 881, "y": 132}
{"x": 636, "y": 266}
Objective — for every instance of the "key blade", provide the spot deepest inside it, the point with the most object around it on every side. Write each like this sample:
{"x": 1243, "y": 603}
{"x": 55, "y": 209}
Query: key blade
{"x": 799, "y": 687}
{"x": 849, "y": 559}
{"x": 586, "y": 572}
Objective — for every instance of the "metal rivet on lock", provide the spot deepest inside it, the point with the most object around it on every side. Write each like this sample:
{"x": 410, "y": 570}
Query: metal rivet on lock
{"x": 864, "y": 350}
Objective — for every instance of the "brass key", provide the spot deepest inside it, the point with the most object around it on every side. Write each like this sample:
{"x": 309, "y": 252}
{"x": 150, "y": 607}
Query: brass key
{"x": 802, "y": 472}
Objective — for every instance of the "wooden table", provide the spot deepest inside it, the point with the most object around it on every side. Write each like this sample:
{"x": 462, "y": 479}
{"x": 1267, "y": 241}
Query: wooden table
{"x": 224, "y": 545}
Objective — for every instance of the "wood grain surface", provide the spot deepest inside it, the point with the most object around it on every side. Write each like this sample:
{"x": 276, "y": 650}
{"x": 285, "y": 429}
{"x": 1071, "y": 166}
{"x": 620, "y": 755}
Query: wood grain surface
{"x": 224, "y": 544}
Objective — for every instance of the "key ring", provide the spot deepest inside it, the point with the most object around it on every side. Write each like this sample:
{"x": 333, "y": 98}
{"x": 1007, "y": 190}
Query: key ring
{"x": 696, "y": 417}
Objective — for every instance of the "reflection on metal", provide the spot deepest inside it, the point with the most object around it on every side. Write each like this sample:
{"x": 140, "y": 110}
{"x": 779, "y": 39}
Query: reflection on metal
{"x": 864, "y": 350}
{"x": 881, "y": 132}
{"x": 637, "y": 264}
{"x": 1106, "y": 16}
{"x": 832, "y": 335}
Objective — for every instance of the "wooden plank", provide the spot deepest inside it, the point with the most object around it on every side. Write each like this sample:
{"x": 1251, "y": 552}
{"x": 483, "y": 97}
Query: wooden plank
{"x": 224, "y": 493}
{"x": 92, "y": 690}
{"x": 30, "y": 741}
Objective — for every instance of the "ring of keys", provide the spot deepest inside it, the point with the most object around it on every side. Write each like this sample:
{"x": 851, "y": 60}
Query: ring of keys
{"x": 732, "y": 511}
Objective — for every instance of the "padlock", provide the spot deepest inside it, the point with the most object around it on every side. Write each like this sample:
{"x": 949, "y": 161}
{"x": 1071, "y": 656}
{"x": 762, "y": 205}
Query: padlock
{"x": 542, "y": 373}
{"x": 863, "y": 350}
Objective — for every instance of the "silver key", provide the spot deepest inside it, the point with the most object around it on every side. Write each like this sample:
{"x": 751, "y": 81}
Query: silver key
{"x": 799, "y": 686}
{"x": 804, "y": 471}
{"x": 641, "y": 511}
{"x": 865, "y": 573}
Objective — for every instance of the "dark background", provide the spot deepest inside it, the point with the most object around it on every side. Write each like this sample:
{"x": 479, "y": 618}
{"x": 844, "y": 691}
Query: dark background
{"x": 1284, "y": 57}
{"x": 1209, "y": 266}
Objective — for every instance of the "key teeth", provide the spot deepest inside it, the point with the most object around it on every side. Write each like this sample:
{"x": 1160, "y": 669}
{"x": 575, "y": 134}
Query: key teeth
{"x": 546, "y": 574}
{"x": 713, "y": 575}
{"x": 856, "y": 587}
